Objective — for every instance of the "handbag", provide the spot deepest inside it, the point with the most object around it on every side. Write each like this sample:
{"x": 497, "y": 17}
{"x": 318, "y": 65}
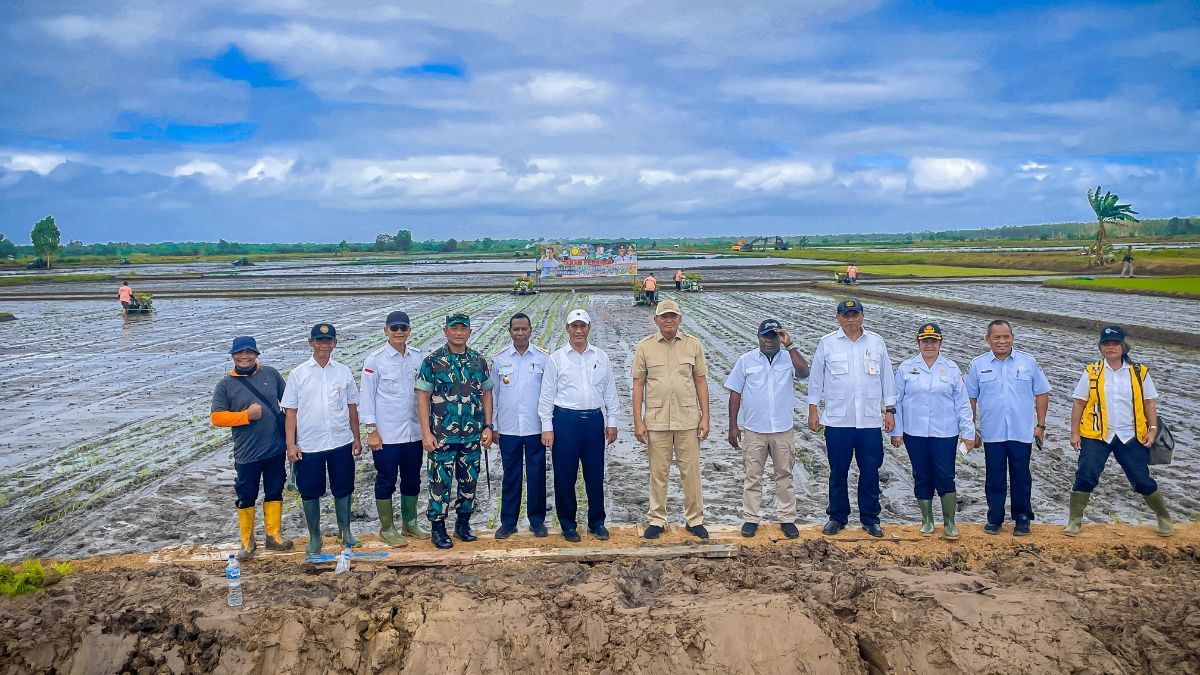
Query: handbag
{"x": 1162, "y": 450}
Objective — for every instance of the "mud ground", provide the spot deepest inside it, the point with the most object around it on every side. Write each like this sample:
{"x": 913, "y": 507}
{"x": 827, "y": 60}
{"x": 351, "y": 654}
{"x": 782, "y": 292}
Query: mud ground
{"x": 1117, "y": 600}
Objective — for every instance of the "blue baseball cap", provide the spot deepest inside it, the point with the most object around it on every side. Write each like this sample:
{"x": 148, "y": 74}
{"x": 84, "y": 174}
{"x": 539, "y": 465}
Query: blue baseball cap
{"x": 242, "y": 343}
{"x": 1112, "y": 334}
{"x": 768, "y": 327}
{"x": 323, "y": 331}
{"x": 849, "y": 305}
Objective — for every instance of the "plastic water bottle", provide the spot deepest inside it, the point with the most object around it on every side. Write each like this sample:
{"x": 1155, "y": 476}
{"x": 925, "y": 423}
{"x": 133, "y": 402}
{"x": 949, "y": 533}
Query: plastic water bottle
{"x": 233, "y": 577}
{"x": 343, "y": 561}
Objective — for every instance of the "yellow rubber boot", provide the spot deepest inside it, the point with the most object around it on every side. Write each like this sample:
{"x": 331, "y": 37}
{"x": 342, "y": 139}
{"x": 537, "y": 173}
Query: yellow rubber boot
{"x": 272, "y": 520}
{"x": 246, "y": 528}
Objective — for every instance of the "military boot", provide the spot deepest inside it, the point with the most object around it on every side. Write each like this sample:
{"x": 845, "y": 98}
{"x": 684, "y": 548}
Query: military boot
{"x": 246, "y": 530}
{"x": 926, "y": 516}
{"x": 272, "y": 523}
{"x": 387, "y": 525}
{"x": 1079, "y": 502}
{"x": 1155, "y": 500}
{"x": 341, "y": 508}
{"x": 412, "y": 524}
{"x": 312, "y": 517}
{"x": 462, "y": 527}
{"x": 438, "y": 533}
{"x": 949, "y": 508}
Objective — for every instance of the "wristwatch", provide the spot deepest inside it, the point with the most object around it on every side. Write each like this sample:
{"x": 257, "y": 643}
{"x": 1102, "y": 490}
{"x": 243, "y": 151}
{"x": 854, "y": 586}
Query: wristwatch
{"x": 790, "y": 346}
{"x": 890, "y": 409}
{"x": 489, "y": 427}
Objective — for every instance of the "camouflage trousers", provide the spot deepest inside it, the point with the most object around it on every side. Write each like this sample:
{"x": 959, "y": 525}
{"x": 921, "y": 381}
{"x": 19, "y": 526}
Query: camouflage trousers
{"x": 453, "y": 462}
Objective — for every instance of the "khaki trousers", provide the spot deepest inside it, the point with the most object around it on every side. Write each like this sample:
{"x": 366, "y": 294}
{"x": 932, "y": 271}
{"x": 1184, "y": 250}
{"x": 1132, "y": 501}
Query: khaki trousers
{"x": 684, "y": 446}
{"x": 780, "y": 447}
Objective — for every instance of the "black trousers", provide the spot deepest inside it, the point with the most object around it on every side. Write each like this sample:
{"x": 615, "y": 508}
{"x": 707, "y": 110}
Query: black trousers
{"x": 312, "y": 468}
{"x": 523, "y": 456}
{"x": 269, "y": 471}
{"x": 398, "y": 459}
{"x": 578, "y": 439}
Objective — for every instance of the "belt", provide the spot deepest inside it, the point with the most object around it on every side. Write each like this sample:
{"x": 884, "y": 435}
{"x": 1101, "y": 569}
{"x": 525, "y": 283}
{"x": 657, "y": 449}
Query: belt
{"x": 576, "y": 413}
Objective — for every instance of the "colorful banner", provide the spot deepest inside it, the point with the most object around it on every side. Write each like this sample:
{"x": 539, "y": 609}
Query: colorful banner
{"x": 578, "y": 261}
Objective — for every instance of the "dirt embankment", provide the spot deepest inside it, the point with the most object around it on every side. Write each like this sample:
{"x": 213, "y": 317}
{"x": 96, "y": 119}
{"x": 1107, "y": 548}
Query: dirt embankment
{"x": 989, "y": 604}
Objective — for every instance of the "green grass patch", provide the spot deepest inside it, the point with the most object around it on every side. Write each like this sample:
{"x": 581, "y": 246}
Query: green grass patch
{"x": 50, "y": 279}
{"x": 1184, "y": 287}
{"x": 5, "y": 316}
{"x": 931, "y": 271}
{"x": 30, "y": 576}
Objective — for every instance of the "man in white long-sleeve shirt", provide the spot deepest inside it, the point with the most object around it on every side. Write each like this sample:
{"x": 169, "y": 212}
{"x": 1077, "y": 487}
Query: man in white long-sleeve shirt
{"x": 578, "y": 411}
{"x": 852, "y": 373}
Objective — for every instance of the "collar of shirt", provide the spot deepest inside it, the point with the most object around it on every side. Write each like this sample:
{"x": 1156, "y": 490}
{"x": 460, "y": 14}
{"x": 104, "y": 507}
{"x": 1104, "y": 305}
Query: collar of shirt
{"x": 392, "y": 352}
{"x": 663, "y": 338}
{"x": 842, "y": 334}
{"x": 1124, "y": 366}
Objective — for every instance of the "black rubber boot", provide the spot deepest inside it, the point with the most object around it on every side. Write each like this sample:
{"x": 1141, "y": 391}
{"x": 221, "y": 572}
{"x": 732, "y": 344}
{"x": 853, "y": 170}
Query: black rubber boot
{"x": 438, "y": 532}
{"x": 462, "y": 528}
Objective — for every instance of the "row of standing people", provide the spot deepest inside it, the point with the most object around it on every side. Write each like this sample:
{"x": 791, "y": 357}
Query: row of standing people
{"x": 443, "y": 408}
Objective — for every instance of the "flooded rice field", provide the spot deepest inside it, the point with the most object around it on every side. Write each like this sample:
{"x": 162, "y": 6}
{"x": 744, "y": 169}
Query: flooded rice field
{"x": 1144, "y": 310}
{"x": 107, "y": 446}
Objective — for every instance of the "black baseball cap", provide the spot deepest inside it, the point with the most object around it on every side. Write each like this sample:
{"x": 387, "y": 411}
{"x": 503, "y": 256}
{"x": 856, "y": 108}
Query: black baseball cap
{"x": 768, "y": 326}
{"x": 397, "y": 318}
{"x": 1112, "y": 334}
{"x": 458, "y": 318}
{"x": 849, "y": 306}
{"x": 323, "y": 331}
{"x": 929, "y": 330}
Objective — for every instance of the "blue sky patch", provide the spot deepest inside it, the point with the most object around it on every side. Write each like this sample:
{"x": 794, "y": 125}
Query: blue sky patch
{"x": 233, "y": 64}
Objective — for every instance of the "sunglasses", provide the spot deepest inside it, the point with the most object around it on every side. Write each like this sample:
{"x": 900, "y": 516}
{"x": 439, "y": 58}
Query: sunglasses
{"x": 400, "y": 328}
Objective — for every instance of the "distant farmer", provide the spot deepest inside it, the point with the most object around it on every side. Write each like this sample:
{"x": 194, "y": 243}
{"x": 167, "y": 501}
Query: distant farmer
{"x": 764, "y": 381}
{"x": 259, "y": 443}
{"x": 578, "y": 408}
{"x": 1127, "y": 262}
{"x": 389, "y": 412}
{"x": 650, "y": 285}
{"x": 125, "y": 294}
{"x": 679, "y": 279}
{"x": 932, "y": 413}
{"x": 1008, "y": 390}
{"x": 516, "y": 385}
{"x": 669, "y": 377}
{"x": 1115, "y": 412}
{"x": 454, "y": 406}
{"x": 852, "y": 273}
{"x": 852, "y": 374}
{"x": 321, "y": 402}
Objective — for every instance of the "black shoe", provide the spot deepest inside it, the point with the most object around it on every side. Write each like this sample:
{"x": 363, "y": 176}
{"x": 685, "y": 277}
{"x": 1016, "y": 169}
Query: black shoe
{"x": 1021, "y": 529}
{"x": 652, "y": 532}
{"x": 505, "y": 531}
{"x": 437, "y": 532}
{"x": 600, "y": 532}
{"x": 749, "y": 529}
{"x": 538, "y": 530}
{"x": 874, "y": 530}
{"x": 789, "y": 530}
{"x": 571, "y": 535}
{"x": 991, "y": 529}
{"x": 698, "y": 531}
{"x": 462, "y": 529}
{"x": 832, "y": 527}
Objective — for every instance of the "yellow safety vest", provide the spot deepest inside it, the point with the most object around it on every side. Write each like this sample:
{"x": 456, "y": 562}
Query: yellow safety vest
{"x": 1094, "y": 423}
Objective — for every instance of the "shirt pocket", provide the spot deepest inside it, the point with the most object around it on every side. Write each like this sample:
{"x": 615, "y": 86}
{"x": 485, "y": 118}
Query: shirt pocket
{"x": 839, "y": 367}
{"x": 391, "y": 382}
{"x": 687, "y": 366}
{"x": 337, "y": 397}
{"x": 756, "y": 376}
{"x": 656, "y": 369}
{"x": 872, "y": 366}
{"x": 505, "y": 372}
{"x": 989, "y": 382}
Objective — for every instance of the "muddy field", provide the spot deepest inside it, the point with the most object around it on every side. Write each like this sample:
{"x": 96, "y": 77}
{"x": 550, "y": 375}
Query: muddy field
{"x": 1114, "y": 601}
{"x": 107, "y": 446}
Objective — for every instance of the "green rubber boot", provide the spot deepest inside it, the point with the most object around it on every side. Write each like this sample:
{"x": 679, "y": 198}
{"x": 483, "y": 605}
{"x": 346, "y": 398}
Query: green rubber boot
{"x": 949, "y": 508}
{"x": 1165, "y": 529}
{"x": 926, "y": 516}
{"x": 387, "y": 525}
{"x": 341, "y": 508}
{"x": 312, "y": 516}
{"x": 1079, "y": 502}
{"x": 412, "y": 524}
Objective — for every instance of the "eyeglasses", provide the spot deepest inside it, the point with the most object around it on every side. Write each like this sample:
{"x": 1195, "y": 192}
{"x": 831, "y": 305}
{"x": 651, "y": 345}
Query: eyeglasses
{"x": 400, "y": 328}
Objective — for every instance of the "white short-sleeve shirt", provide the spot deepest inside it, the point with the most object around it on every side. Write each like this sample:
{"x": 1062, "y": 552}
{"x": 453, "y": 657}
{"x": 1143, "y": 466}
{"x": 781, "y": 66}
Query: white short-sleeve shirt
{"x": 321, "y": 398}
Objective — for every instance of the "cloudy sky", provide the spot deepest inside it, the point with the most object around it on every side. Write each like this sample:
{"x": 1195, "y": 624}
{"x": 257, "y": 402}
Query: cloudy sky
{"x": 286, "y": 120}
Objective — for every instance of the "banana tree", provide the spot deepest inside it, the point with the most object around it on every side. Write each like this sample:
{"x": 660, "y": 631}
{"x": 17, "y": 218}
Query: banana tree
{"x": 1108, "y": 211}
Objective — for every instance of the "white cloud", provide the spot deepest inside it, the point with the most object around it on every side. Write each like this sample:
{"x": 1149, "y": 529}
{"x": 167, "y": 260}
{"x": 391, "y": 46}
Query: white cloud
{"x": 1033, "y": 166}
{"x": 39, "y": 164}
{"x": 308, "y": 49}
{"x": 945, "y": 174}
{"x": 856, "y": 89}
{"x": 202, "y": 167}
{"x": 654, "y": 177}
{"x": 790, "y": 174}
{"x": 268, "y": 168}
{"x": 127, "y": 31}
{"x": 569, "y": 124}
{"x": 532, "y": 181}
{"x": 560, "y": 88}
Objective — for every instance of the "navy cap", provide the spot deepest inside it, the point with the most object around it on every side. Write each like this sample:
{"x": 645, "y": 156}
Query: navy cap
{"x": 397, "y": 318}
{"x": 458, "y": 318}
{"x": 242, "y": 343}
{"x": 1112, "y": 334}
{"x": 323, "y": 330}
{"x": 929, "y": 330}
{"x": 849, "y": 306}
{"x": 768, "y": 327}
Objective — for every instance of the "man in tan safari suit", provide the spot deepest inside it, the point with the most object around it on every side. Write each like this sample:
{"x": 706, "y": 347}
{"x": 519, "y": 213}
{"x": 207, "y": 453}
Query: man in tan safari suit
{"x": 669, "y": 375}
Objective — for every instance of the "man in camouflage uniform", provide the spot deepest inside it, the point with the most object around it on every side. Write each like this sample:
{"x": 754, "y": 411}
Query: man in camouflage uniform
{"x": 454, "y": 406}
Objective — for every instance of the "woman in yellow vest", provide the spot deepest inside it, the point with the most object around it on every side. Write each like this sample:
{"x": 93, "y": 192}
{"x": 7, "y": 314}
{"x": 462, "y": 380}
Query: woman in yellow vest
{"x": 1114, "y": 413}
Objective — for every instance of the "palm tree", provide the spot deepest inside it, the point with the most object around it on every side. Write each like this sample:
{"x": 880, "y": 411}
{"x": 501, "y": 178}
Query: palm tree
{"x": 1107, "y": 211}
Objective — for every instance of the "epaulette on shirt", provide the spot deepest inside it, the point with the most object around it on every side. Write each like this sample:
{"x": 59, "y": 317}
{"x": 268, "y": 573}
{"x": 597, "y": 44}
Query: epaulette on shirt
{"x": 541, "y": 349}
